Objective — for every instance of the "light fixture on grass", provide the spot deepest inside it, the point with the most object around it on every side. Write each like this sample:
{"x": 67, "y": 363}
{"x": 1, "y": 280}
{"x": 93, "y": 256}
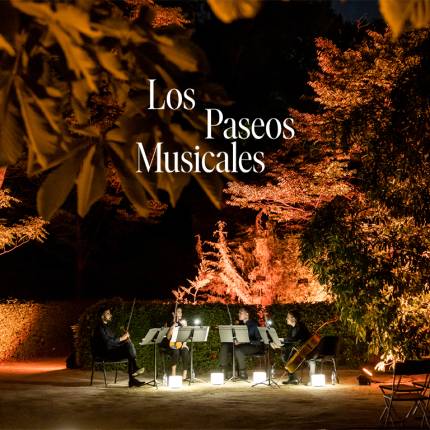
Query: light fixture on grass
{"x": 258, "y": 377}
{"x": 175, "y": 381}
{"x": 217, "y": 378}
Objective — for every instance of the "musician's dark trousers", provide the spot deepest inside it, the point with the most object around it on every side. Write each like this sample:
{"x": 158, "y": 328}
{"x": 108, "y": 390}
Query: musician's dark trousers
{"x": 125, "y": 350}
{"x": 240, "y": 351}
{"x": 176, "y": 355}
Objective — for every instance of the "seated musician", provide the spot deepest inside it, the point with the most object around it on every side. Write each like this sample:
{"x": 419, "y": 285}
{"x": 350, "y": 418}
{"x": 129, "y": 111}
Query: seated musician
{"x": 110, "y": 347}
{"x": 296, "y": 335}
{"x": 178, "y": 351}
{"x": 241, "y": 350}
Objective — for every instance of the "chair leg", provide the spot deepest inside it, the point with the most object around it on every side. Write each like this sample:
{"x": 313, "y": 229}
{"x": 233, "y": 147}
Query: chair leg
{"x": 116, "y": 373}
{"x": 104, "y": 373}
{"x": 335, "y": 371}
{"x": 92, "y": 371}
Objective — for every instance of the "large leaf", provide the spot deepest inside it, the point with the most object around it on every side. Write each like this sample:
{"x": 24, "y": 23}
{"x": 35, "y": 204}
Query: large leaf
{"x": 10, "y": 131}
{"x": 6, "y": 46}
{"x": 57, "y": 186}
{"x": 110, "y": 62}
{"x": 66, "y": 24}
{"x": 77, "y": 57}
{"x": 397, "y": 13}
{"x": 91, "y": 181}
{"x": 132, "y": 187}
{"x": 230, "y": 10}
{"x": 74, "y": 18}
{"x": 183, "y": 55}
{"x": 42, "y": 139}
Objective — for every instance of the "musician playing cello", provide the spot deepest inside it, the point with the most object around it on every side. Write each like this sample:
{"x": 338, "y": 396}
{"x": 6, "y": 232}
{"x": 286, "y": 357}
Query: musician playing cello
{"x": 296, "y": 335}
{"x": 177, "y": 350}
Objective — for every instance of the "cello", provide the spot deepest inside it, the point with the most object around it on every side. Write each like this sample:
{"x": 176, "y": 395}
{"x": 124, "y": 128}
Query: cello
{"x": 303, "y": 352}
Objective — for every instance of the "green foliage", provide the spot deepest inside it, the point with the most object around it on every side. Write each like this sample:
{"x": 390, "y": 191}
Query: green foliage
{"x": 155, "y": 314}
{"x": 57, "y": 60}
{"x": 372, "y": 247}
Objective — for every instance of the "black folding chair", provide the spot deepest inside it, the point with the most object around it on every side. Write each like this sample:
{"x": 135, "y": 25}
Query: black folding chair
{"x": 99, "y": 360}
{"x": 415, "y": 394}
{"x": 326, "y": 352}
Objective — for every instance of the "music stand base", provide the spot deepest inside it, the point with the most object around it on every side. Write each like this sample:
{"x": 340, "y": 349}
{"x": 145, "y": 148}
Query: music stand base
{"x": 236, "y": 379}
{"x": 268, "y": 382}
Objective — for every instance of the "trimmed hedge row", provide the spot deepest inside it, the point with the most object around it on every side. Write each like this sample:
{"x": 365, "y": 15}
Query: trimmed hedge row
{"x": 155, "y": 314}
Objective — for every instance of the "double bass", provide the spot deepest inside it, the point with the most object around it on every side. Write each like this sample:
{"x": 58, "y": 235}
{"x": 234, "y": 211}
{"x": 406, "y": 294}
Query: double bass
{"x": 303, "y": 352}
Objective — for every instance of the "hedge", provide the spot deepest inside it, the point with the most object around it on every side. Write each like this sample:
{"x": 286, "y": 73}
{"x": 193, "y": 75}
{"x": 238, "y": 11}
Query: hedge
{"x": 31, "y": 330}
{"x": 155, "y": 314}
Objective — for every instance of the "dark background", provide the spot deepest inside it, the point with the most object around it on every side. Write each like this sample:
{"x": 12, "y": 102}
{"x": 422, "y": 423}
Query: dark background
{"x": 263, "y": 65}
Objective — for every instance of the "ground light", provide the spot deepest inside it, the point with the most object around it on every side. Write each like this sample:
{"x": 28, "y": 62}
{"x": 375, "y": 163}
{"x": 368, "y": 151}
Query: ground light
{"x": 197, "y": 321}
{"x": 318, "y": 380}
{"x": 258, "y": 377}
{"x": 217, "y": 378}
{"x": 175, "y": 381}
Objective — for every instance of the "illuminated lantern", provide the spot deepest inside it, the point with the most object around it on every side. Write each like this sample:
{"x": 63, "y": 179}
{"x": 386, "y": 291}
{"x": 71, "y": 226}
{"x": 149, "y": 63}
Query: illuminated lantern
{"x": 217, "y": 378}
{"x": 175, "y": 381}
{"x": 318, "y": 380}
{"x": 258, "y": 377}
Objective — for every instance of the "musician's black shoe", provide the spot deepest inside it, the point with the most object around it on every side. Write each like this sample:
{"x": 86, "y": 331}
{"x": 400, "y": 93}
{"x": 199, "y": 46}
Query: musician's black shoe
{"x": 291, "y": 380}
{"x": 133, "y": 382}
{"x": 243, "y": 375}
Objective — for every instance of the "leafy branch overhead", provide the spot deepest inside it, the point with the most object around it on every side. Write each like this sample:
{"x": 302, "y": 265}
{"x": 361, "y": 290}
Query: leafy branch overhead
{"x": 59, "y": 60}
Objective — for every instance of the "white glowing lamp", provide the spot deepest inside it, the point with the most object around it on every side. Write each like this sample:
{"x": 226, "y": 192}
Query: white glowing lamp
{"x": 217, "y": 378}
{"x": 258, "y": 377}
{"x": 318, "y": 380}
{"x": 175, "y": 381}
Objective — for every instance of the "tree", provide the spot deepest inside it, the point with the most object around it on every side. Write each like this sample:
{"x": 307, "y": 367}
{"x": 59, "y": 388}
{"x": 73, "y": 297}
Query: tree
{"x": 58, "y": 61}
{"x": 372, "y": 247}
{"x": 254, "y": 268}
{"x": 15, "y": 234}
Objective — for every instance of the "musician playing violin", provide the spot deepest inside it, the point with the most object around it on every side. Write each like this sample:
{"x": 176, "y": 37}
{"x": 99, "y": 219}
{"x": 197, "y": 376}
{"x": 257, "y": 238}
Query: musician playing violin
{"x": 241, "y": 350}
{"x": 297, "y": 334}
{"x": 178, "y": 351}
{"x": 110, "y": 347}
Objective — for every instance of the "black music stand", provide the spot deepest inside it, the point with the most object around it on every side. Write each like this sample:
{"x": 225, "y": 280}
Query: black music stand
{"x": 154, "y": 337}
{"x": 232, "y": 334}
{"x": 267, "y": 336}
{"x": 192, "y": 334}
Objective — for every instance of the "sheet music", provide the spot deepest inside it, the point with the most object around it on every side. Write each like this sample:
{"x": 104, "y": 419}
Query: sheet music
{"x": 274, "y": 336}
{"x": 149, "y": 337}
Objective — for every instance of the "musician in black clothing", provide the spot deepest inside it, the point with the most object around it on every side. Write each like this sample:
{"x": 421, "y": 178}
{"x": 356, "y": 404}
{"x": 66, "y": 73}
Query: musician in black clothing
{"x": 296, "y": 335}
{"x": 241, "y": 350}
{"x": 110, "y": 347}
{"x": 178, "y": 351}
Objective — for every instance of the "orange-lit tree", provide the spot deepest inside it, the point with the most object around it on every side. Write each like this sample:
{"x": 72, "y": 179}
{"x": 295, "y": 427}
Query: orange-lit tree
{"x": 255, "y": 267}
